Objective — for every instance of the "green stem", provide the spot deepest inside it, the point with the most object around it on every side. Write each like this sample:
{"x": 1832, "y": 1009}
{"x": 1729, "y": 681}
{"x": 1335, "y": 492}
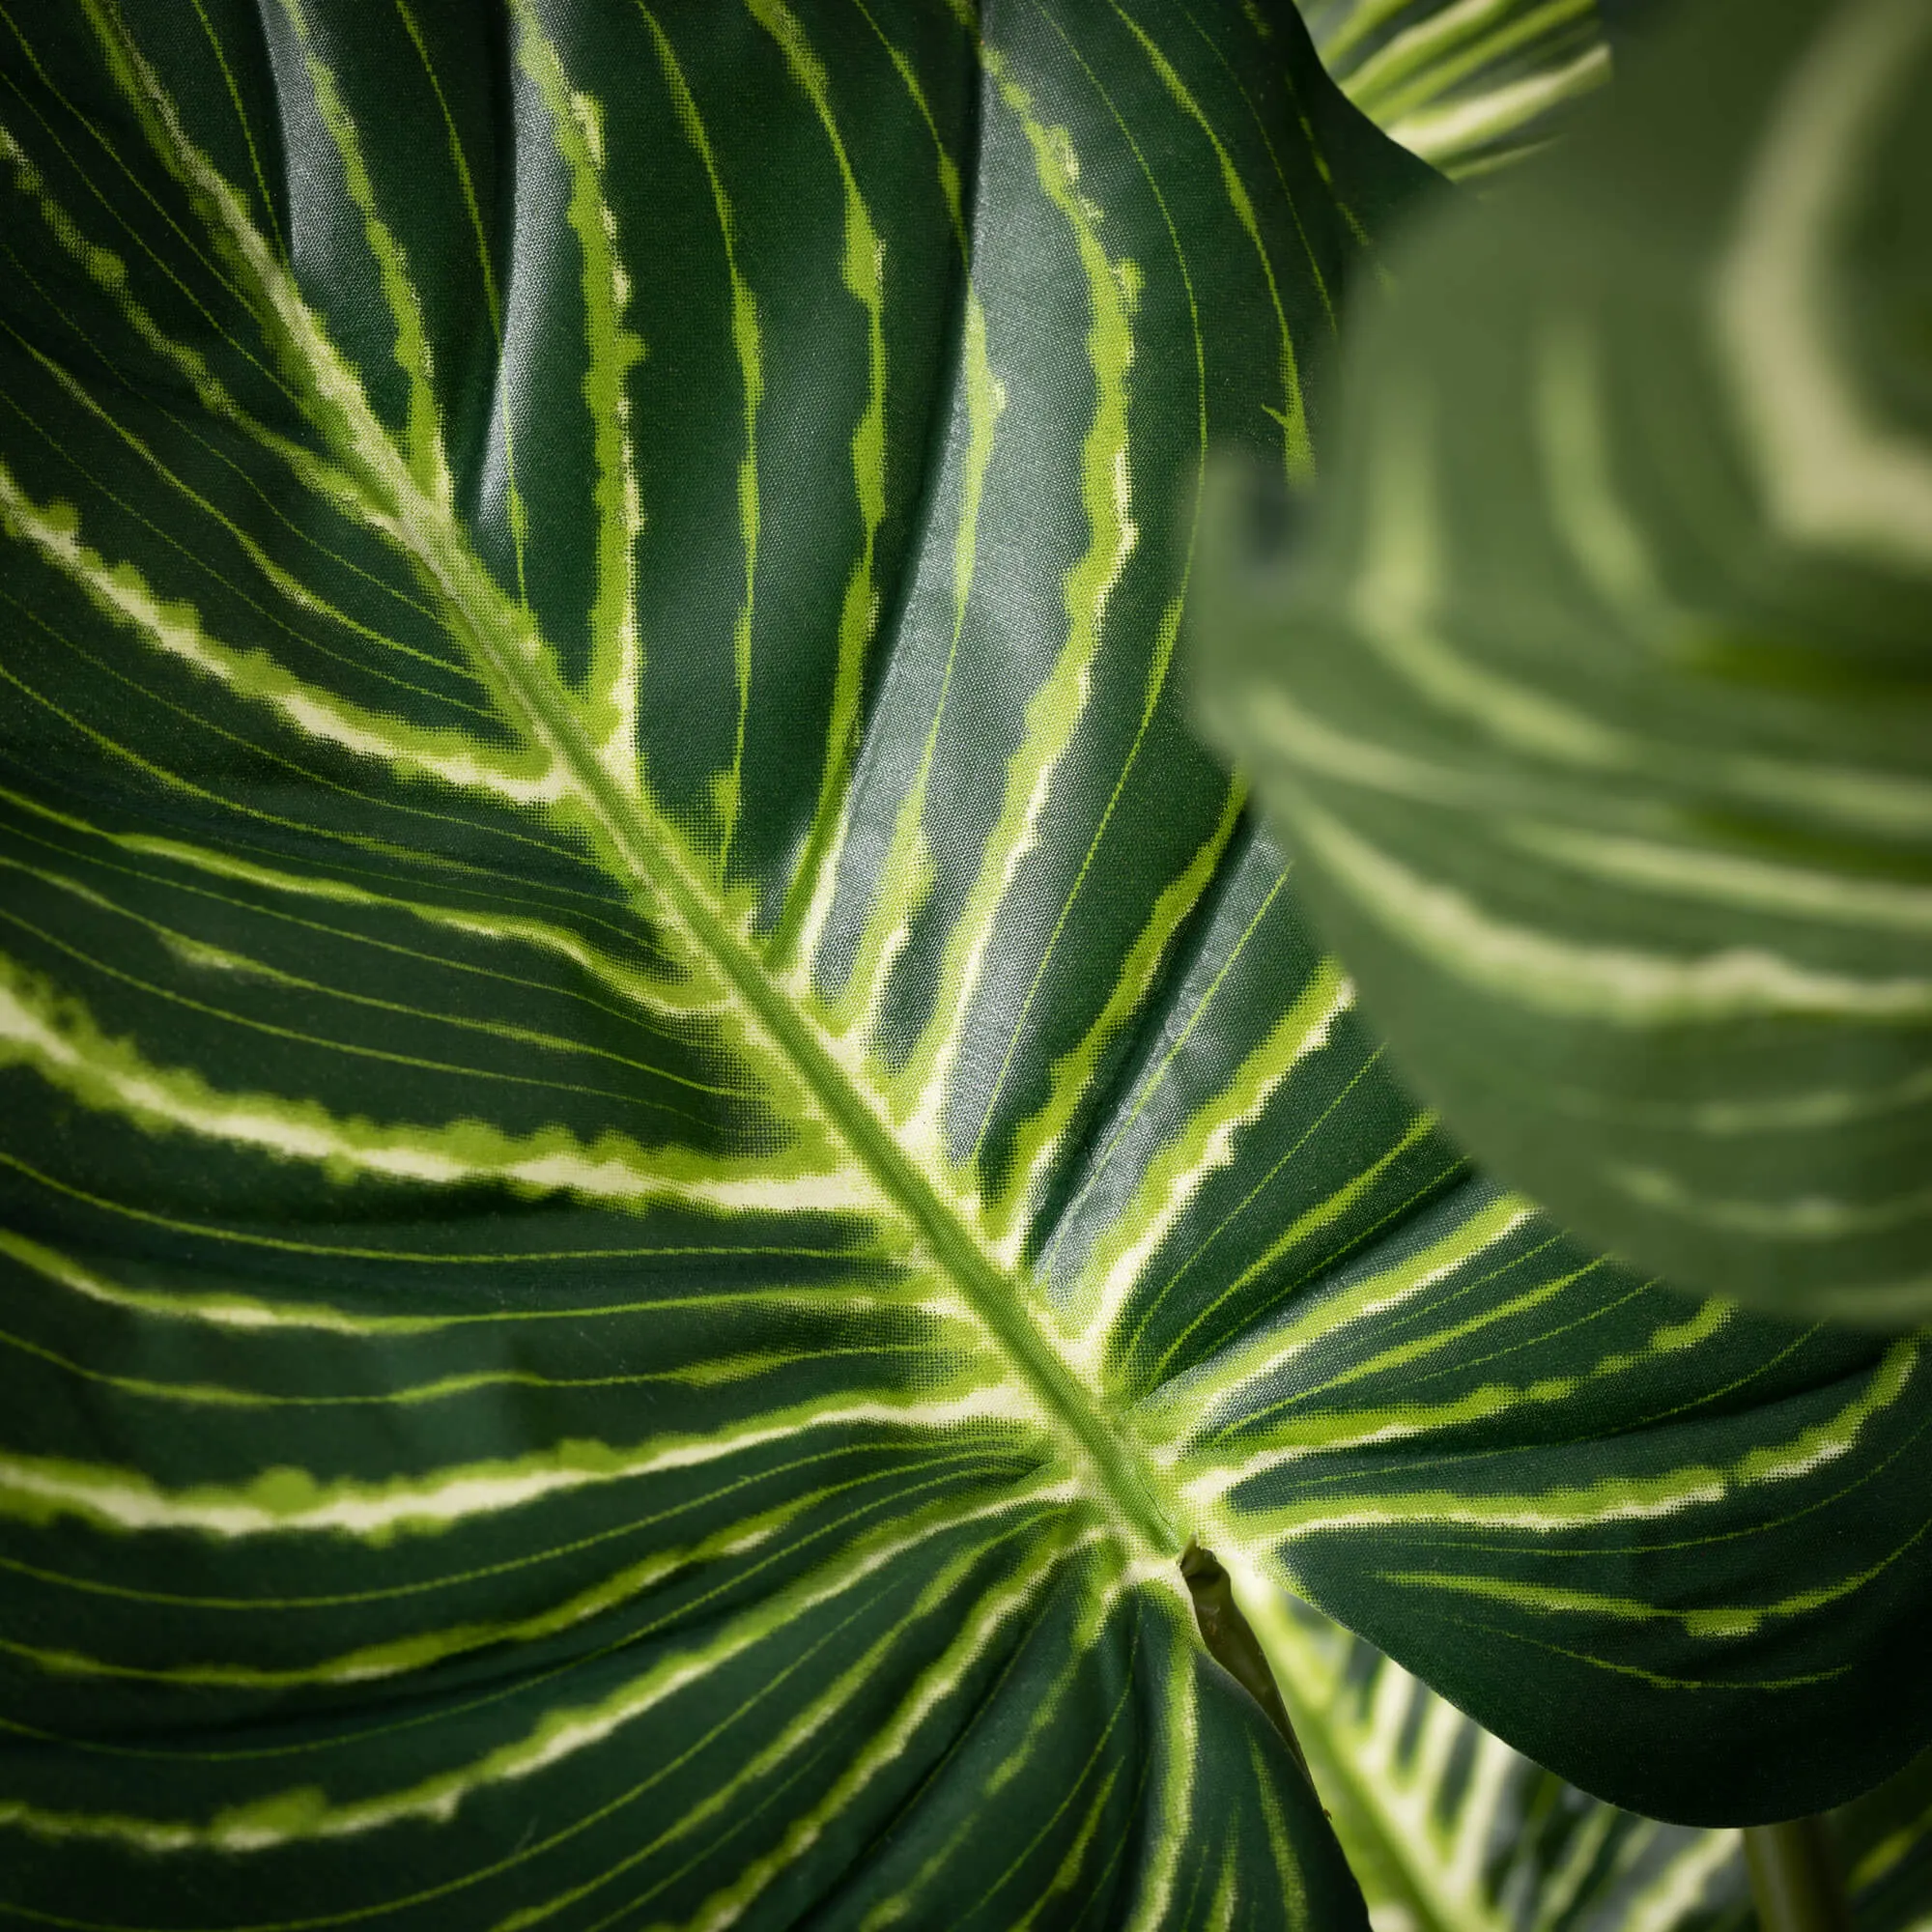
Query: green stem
{"x": 1794, "y": 1878}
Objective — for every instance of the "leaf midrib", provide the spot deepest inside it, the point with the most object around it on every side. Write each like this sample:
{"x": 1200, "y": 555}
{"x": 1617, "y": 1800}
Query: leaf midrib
{"x": 1139, "y": 1496}
{"x": 518, "y": 670}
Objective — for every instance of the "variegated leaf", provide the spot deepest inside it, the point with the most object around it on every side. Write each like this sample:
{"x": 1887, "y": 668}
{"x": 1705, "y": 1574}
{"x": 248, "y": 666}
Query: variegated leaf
{"x": 664, "y": 1133}
{"x": 1450, "y": 1831}
{"x": 1469, "y": 85}
{"x": 1597, "y": 697}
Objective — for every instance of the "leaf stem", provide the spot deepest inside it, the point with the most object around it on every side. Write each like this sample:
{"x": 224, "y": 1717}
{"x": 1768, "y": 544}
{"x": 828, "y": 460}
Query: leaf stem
{"x": 1232, "y": 1643}
{"x": 1795, "y": 1879}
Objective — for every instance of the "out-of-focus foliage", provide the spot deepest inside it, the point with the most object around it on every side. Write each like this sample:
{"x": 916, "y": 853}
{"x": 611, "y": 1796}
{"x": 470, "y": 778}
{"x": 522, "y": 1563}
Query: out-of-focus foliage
{"x": 1469, "y": 85}
{"x": 1595, "y": 703}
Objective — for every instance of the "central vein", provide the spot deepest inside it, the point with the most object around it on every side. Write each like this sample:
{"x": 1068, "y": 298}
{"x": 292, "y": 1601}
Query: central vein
{"x": 496, "y": 633}
{"x": 1139, "y": 1495}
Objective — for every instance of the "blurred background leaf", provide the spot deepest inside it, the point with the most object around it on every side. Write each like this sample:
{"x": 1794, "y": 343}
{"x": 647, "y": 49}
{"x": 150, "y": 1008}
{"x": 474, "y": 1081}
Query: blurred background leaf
{"x": 1593, "y": 698}
{"x": 1469, "y": 85}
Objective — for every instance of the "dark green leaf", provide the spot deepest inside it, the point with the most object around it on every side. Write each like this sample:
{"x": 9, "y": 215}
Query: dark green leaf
{"x": 1450, "y": 1831}
{"x": 664, "y": 1133}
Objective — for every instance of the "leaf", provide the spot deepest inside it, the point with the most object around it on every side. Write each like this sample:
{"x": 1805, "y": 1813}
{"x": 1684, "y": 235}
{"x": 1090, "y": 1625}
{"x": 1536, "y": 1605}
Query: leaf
{"x": 1597, "y": 702}
{"x": 1469, "y": 87}
{"x": 1884, "y": 1848}
{"x": 664, "y": 1133}
{"x": 1450, "y": 1831}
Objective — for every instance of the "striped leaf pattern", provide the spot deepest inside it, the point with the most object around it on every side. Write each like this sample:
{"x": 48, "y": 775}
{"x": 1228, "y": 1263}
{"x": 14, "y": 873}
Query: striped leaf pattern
{"x": 664, "y": 1132}
{"x": 1614, "y": 1526}
{"x": 572, "y": 680}
{"x": 1469, "y": 85}
{"x": 1605, "y": 716}
{"x": 1450, "y": 1831}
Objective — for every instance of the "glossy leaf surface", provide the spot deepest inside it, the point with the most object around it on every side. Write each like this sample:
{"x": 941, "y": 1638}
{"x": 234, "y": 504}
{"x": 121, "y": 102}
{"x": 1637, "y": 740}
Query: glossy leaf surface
{"x": 1598, "y": 701}
{"x": 663, "y": 1131}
